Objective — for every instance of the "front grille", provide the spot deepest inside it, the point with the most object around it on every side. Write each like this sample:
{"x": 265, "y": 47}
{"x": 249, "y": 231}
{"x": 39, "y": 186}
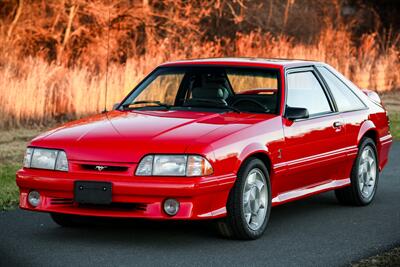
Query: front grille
{"x": 61, "y": 201}
{"x": 103, "y": 168}
{"x": 116, "y": 206}
{"x": 120, "y": 206}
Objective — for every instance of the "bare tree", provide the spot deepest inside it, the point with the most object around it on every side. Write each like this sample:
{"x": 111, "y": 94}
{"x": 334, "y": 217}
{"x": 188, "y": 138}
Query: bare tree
{"x": 16, "y": 17}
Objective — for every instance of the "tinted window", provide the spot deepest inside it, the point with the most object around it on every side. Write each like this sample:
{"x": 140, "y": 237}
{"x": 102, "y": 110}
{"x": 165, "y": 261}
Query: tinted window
{"x": 253, "y": 86}
{"x": 305, "y": 91}
{"x": 209, "y": 88}
{"x": 345, "y": 99}
{"x": 252, "y": 81}
{"x": 163, "y": 88}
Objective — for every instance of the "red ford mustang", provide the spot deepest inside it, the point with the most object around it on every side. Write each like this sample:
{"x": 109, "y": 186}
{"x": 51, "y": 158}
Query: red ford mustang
{"x": 222, "y": 139}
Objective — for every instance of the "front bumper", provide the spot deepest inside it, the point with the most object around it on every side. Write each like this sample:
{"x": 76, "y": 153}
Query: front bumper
{"x": 133, "y": 197}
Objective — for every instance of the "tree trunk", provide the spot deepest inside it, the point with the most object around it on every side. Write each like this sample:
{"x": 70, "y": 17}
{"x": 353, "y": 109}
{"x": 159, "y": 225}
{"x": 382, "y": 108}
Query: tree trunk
{"x": 15, "y": 20}
{"x": 148, "y": 21}
{"x": 271, "y": 5}
{"x": 72, "y": 12}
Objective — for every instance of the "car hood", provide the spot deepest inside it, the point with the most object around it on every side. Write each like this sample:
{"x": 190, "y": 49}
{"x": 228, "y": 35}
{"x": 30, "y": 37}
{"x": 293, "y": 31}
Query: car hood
{"x": 127, "y": 136}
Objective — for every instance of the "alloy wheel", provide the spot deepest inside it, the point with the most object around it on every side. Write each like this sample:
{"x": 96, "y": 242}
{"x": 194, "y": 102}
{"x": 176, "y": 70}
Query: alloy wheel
{"x": 367, "y": 172}
{"x": 255, "y": 199}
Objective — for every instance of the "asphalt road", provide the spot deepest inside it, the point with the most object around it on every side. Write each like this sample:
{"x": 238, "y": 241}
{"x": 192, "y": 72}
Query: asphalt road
{"x": 312, "y": 232}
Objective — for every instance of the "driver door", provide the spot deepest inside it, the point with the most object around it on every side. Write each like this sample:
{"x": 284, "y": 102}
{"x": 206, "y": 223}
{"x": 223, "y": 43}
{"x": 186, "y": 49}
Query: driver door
{"x": 313, "y": 146}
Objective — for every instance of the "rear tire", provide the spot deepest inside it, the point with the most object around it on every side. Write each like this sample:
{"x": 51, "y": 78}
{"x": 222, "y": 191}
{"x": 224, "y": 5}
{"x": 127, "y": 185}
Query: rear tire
{"x": 364, "y": 177}
{"x": 249, "y": 203}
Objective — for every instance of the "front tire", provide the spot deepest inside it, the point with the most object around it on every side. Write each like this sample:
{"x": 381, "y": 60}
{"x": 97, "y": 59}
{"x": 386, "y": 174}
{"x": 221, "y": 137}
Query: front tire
{"x": 249, "y": 203}
{"x": 364, "y": 177}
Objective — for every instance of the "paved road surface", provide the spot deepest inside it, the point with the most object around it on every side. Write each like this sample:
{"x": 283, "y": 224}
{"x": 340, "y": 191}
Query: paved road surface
{"x": 312, "y": 232}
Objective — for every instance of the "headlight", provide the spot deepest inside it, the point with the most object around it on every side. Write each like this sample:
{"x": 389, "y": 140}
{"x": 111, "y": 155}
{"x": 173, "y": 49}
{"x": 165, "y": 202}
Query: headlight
{"x": 169, "y": 165}
{"x": 174, "y": 165}
{"x": 42, "y": 158}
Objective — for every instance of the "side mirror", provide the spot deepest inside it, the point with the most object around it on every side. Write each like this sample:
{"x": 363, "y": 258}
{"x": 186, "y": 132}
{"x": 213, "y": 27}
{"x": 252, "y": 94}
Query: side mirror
{"x": 115, "y": 106}
{"x": 294, "y": 113}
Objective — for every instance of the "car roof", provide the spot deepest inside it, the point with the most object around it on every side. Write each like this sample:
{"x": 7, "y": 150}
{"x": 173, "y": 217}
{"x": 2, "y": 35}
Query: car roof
{"x": 243, "y": 61}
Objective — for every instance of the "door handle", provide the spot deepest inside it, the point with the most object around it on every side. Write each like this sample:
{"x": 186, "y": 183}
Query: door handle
{"x": 337, "y": 124}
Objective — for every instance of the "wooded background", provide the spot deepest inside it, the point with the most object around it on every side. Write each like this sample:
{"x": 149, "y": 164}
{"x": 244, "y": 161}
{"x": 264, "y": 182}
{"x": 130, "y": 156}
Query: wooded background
{"x": 53, "y": 54}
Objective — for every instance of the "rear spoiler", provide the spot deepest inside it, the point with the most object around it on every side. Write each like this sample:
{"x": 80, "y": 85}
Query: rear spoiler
{"x": 373, "y": 96}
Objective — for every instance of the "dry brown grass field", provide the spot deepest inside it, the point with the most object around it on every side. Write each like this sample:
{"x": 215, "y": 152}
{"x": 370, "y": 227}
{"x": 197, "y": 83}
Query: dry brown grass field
{"x": 53, "y": 54}
{"x": 38, "y": 92}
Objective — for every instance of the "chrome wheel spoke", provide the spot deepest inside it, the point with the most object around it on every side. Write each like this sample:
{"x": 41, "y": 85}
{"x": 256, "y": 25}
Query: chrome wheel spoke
{"x": 364, "y": 155}
{"x": 247, "y": 217}
{"x": 262, "y": 205}
{"x": 246, "y": 207}
{"x": 255, "y": 199}
{"x": 360, "y": 185}
{"x": 371, "y": 162}
{"x": 251, "y": 178}
{"x": 259, "y": 183}
{"x": 246, "y": 197}
{"x": 367, "y": 172}
{"x": 365, "y": 189}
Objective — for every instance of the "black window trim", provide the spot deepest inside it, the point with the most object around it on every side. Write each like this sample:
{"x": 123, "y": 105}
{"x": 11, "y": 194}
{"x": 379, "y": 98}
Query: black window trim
{"x": 328, "y": 94}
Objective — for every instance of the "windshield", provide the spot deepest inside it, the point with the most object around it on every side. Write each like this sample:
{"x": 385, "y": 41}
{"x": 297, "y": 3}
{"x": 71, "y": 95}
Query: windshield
{"x": 218, "y": 89}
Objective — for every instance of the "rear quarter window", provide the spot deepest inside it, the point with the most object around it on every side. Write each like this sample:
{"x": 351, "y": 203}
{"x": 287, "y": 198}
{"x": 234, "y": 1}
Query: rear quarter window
{"x": 345, "y": 99}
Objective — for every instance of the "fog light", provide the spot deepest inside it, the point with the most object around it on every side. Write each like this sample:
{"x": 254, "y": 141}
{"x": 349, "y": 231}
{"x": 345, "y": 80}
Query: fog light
{"x": 171, "y": 206}
{"x": 34, "y": 198}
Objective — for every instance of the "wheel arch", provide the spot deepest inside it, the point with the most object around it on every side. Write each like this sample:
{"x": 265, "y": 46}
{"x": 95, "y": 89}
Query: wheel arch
{"x": 264, "y": 157}
{"x": 368, "y": 129}
{"x": 373, "y": 134}
{"x": 258, "y": 152}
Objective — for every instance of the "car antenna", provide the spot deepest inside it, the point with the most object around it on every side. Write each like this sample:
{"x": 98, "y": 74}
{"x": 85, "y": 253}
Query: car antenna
{"x": 108, "y": 48}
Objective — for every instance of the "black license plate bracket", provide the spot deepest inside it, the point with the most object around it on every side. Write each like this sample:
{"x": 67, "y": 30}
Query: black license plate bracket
{"x": 90, "y": 192}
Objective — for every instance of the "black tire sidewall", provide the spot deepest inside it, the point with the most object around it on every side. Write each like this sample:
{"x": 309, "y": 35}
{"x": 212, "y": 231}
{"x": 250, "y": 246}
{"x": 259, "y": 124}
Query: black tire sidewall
{"x": 251, "y": 164}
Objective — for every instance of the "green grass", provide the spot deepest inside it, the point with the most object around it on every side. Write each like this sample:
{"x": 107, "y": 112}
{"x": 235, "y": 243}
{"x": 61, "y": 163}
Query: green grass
{"x": 12, "y": 148}
{"x": 395, "y": 125}
{"x": 391, "y": 101}
{"x": 388, "y": 258}
{"x": 9, "y": 190}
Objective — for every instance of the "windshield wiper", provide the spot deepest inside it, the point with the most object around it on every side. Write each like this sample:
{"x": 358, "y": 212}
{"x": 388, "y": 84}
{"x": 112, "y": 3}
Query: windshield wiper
{"x": 215, "y": 103}
{"x": 158, "y": 103}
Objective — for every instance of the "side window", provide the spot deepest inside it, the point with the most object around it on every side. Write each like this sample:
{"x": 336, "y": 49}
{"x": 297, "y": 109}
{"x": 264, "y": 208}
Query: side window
{"x": 345, "y": 99}
{"x": 305, "y": 91}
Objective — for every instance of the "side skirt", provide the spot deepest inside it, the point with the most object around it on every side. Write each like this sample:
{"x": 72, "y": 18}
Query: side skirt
{"x": 308, "y": 191}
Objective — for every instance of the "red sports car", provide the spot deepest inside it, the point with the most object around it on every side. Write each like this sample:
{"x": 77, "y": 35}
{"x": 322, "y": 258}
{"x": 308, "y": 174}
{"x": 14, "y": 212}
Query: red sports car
{"x": 223, "y": 139}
